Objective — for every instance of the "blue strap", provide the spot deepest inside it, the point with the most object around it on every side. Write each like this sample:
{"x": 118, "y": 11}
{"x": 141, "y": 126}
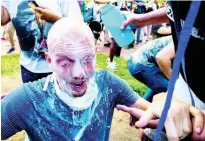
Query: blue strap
{"x": 182, "y": 44}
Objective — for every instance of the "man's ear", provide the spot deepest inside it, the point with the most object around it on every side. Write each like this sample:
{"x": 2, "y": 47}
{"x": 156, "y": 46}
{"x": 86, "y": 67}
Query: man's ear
{"x": 48, "y": 58}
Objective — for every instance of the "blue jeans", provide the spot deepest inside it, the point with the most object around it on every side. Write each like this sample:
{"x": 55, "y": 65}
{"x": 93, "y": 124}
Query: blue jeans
{"x": 138, "y": 32}
{"x": 151, "y": 76}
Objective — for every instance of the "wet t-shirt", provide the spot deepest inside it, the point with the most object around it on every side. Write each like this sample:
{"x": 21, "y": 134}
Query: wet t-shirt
{"x": 45, "y": 116}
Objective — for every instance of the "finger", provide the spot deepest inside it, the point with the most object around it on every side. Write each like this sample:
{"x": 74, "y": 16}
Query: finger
{"x": 44, "y": 7}
{"x": 187, "y": 124}
{"x": 177, "y": 115}
{"x": 199, "y": 119}
{"x": 32, "y": 6}
{"x": 153, "y": 124}
{"x": 133, "y": 111}
{"x": 144, "y": 120}
{"x": 170, "y": 128}
{"x": 38, "y": 9}
{"x": 196, "y": 136}
{"x": 126, "y": 23}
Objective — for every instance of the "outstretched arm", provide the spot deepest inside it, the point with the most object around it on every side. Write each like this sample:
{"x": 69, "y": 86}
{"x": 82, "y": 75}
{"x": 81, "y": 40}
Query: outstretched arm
{"x": 104, "y": 1}
{"x": 141, "y": 20}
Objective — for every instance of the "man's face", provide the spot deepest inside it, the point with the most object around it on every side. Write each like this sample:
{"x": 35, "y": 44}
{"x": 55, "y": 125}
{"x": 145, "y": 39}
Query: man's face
{"x": 73, "y": 64}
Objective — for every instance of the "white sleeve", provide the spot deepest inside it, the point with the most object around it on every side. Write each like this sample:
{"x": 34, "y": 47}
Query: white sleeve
{"x": 6, "y": 4}
{"x": 11, "y": 6}
{"x": 70, "y": 8}
{"x": 181, "y": 91}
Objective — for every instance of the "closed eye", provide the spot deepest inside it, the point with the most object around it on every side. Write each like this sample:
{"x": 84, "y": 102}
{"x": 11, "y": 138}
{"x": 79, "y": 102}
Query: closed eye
{"x": 64, "y": 63}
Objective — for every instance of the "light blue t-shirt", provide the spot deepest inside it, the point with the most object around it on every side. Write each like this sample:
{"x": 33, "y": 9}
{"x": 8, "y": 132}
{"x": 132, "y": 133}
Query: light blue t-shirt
{"x": 45, "y": 116}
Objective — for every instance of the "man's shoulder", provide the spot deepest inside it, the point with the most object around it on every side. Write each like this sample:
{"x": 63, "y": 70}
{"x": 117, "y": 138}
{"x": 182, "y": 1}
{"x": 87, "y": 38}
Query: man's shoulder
{"x": 35, "y": 90}
{"x": 37, "y": 85}
{"x": 104, "y": 74}
{"x": 108, "y": 78}
{"x": 29, "y": 91}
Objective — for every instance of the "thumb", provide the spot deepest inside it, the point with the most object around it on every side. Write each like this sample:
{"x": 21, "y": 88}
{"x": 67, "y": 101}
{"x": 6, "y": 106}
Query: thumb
{"x": 145, "y": 119}
{"x": 133, "y": 111}
{"x": 126, "y": 23}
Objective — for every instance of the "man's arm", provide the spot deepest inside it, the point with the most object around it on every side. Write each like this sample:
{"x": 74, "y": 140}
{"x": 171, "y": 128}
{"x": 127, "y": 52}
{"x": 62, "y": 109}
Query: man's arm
{"x": 141, "y": 20}
{"x": 46, "y": 14}
{"x": 104, "y": 1}
{"x": 11, "y": 123}
{"x": 164, "y": 58}
{"x": 14, "y": 107}
{"x": 70, "y": 9}
{"x": 5, "y": 17}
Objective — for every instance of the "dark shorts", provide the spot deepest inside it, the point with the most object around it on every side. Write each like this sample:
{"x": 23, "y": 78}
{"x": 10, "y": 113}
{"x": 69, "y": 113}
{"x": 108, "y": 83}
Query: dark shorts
{"x": 149, "y": 9}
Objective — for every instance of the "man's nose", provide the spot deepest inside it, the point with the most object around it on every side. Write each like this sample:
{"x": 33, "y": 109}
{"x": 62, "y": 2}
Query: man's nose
{"x": 78, "y": 71}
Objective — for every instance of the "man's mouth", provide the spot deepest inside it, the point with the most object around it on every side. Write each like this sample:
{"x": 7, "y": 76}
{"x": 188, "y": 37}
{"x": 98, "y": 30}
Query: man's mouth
{"x": 78, "y": 86}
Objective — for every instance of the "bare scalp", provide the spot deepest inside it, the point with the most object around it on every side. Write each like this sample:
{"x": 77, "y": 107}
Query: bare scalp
{"x": 69, "y": 33}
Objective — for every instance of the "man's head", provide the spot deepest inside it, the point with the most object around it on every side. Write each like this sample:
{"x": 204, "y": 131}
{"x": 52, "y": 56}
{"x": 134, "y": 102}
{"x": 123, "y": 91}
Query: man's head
{"x": 71, "y": 55}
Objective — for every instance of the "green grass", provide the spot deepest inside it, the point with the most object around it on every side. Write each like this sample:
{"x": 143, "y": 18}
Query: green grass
{"x": 10, "y": 68}
{"x": 10, "y": 65}
{"x": 122, "y": 72}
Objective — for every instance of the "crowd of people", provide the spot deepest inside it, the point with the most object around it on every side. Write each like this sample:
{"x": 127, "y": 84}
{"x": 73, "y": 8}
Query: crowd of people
{"x": 64, "y": 98}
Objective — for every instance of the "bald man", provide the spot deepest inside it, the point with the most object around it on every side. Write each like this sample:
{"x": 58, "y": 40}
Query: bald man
{"x": 75, "y": 102}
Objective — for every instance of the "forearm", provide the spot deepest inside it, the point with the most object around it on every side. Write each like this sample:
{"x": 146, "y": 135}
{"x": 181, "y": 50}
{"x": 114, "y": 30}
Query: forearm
{"x": 165, "y": 66}
{"x": 141, "y": 104}
{"x": 164, "y": 58}
{"x": 46, "y": 14}
{"x": 5, "y": 17}
{"x": 102, "y": 1}
{"x": 155, "y": 17}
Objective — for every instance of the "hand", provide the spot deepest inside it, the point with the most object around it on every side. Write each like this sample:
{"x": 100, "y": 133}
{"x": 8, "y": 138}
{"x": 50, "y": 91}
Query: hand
{"x": 45, "y": 13}
{"x": 196, "y": 136}
{"x": 134, "y": 19}
{"x": 178, "y": 124}
{"x": 135, "y": 115}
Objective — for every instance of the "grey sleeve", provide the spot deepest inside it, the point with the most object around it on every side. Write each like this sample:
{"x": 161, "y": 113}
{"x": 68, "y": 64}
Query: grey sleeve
{"x": 122, "y": 92}
{"x": 126, "y": 96}
{"x": 12, "y": 106}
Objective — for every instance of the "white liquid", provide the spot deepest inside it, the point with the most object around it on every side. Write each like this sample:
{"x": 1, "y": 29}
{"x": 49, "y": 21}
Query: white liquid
{"x": 79, "y": 103}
